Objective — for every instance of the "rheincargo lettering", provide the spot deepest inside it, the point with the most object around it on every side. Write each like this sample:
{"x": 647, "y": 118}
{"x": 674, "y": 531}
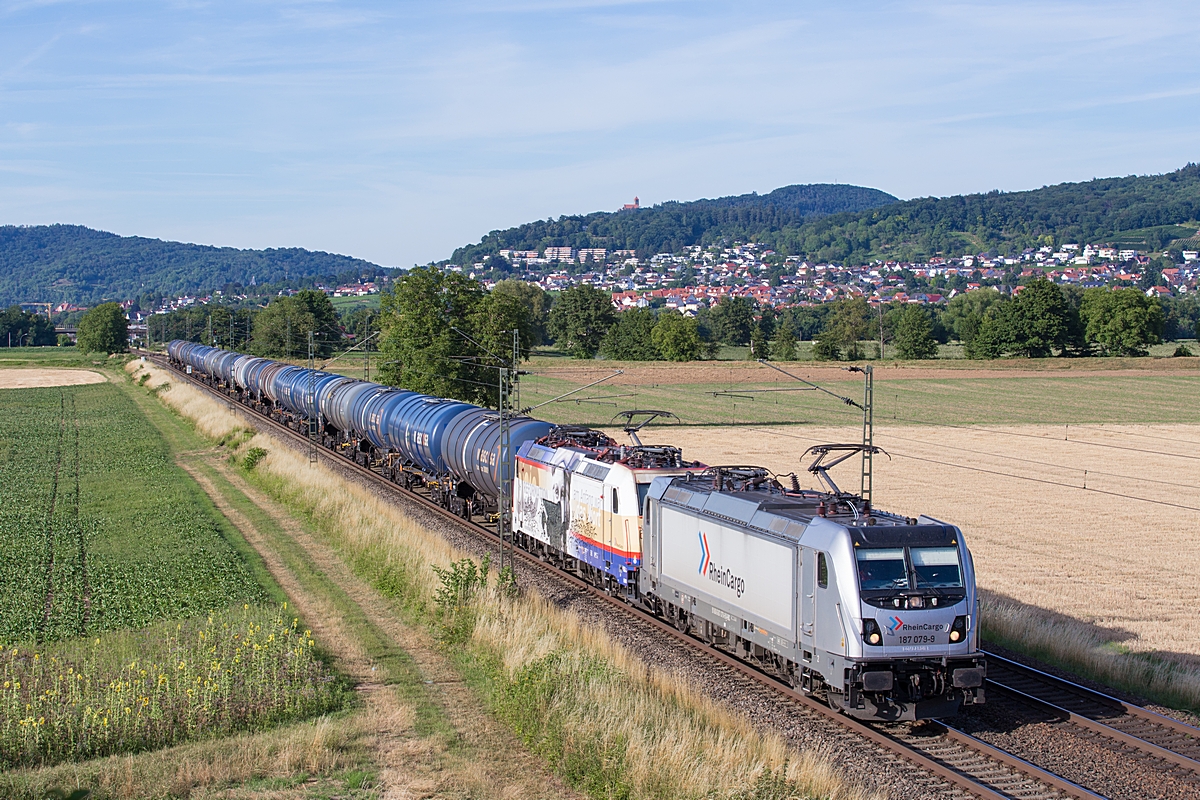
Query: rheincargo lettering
{"x": 726, "y": 578}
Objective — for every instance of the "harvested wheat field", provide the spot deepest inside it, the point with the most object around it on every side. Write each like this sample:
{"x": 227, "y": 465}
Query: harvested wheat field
{"x": 37, "y": 378}
{"x": 1122, "y": 554}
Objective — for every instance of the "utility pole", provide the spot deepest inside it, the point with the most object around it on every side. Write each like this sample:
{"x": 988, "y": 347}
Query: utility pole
{"x": 314, "y": 418}
{"x": 868, "y": 438}
{"x": 881, "y": 331}
{"x": 504, "y": 522}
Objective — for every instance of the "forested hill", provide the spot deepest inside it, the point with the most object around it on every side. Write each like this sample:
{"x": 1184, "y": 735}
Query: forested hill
{"x": 674, "y": 225}
{"x": 71, "y": 263}
{"x": 1143, "y": 212}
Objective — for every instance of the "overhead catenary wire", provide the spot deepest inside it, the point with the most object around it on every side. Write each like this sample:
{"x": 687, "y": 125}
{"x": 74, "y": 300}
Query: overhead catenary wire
{"x": 1039, "y": 463}
{"x": 1016, "y": 477}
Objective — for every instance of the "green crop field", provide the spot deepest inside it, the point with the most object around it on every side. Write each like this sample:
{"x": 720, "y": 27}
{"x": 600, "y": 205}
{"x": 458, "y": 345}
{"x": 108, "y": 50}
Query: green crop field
{"x": 128, "y": 617}
{"x": 957, "y": 401}
{"x": 102, "y": 530}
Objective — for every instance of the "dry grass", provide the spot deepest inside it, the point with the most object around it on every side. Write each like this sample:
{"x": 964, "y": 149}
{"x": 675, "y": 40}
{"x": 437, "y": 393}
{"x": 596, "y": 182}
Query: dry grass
{"x": 1119, "y": 573}
{"x": 196, "y": 770}
{"x": 669, "y": 741}
{"x": 209, "y": 417}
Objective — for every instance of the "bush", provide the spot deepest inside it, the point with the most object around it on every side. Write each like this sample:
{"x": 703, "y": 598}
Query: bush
{"x": 1182, "y": 351}
{"x": 253, "y": 456}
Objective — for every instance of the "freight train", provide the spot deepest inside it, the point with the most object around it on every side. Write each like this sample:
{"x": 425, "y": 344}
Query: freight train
{"x": 876, "y": 612}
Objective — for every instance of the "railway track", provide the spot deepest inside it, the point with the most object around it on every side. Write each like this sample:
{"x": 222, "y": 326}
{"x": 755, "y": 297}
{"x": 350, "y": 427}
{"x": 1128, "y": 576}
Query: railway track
{"x": 1137, "y": 730}
{"x": 967, "y": 763}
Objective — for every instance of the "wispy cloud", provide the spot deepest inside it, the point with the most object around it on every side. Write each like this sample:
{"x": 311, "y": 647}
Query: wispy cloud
{"x": 396, "y": 131}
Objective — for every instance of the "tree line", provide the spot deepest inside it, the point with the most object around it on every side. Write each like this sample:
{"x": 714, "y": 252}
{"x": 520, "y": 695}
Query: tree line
{"x": 445, "y": 334}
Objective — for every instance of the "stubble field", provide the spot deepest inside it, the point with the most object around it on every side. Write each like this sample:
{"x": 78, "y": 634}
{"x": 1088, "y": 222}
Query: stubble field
{"x": 1077, "y": 486}
{"x": 1122, "y": 554}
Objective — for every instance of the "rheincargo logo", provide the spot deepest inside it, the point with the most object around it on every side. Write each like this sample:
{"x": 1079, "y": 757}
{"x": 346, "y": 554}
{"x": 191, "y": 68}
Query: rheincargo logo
{"x": 896, "y": 625}
{"x": 720, "y": 575}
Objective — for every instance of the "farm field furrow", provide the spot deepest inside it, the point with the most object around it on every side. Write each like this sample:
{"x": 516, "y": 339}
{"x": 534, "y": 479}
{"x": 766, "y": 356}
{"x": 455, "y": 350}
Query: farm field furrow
{"x": 1120, "y": 555}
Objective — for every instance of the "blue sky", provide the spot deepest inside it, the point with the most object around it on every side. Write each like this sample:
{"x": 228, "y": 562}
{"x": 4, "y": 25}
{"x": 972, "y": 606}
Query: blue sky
{"x": 397, "y": 131}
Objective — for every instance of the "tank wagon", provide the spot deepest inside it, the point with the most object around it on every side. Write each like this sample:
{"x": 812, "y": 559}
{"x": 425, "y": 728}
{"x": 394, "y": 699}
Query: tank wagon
{"x": 449, "y": 446}
{"x": 874, "y": 611}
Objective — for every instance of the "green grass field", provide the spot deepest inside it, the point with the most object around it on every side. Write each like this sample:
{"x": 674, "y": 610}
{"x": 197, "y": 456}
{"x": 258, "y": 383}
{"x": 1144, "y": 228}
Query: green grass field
{"x": 992, "y": 400}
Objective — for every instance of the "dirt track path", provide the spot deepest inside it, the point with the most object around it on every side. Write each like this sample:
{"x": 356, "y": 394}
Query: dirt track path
{"x": 441, "y": 745}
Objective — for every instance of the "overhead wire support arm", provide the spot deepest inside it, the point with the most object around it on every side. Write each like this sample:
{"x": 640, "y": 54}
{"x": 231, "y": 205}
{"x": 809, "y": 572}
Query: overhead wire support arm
{"x": 350, "y": 350}
{"x": 573, "y": 391}
{"x": 845, "y": 400}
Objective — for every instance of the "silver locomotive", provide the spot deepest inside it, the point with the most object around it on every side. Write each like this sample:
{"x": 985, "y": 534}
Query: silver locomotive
{"x": 876, "y": 612}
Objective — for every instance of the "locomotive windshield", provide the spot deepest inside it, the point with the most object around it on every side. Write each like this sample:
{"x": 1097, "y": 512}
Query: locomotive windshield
{"x": 888, "y": 568}
{"x": 882, "y": 568}
{"x": 936, "y": 567}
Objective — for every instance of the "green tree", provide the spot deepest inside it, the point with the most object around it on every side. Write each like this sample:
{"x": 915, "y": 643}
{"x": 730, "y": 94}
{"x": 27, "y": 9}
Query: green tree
{"x": 20, "y": 327}
{"x": 914, "y": 335}
{"x": 759, "y": 347}
{"x": 281, "y": 329}
{"x": 733, "y": 320}
{"x": 535, "y": 300}
{"x": 826, "y": 348}
{"x": 1121, "y": 321}
{"x": 630, "y": 338}
{"x": 104, "y": 329}
{"x": 847, "y": 324}
{"x": 423, "y": 347}
{"x": 1033, "y": 324}
{"x": 964, "y": 315}
{"x": 678, "y": 337}
{"x": 580, "y": 318}
{"x": 783, "y": 346}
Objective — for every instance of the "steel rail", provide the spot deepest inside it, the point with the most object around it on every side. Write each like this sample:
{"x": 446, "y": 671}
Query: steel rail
{"x": 881, "y": 739}
{"x": 1109, "y": 703}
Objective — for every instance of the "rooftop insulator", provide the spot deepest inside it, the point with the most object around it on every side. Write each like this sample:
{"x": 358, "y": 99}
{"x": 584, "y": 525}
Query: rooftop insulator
{"x": 795, "y": 483}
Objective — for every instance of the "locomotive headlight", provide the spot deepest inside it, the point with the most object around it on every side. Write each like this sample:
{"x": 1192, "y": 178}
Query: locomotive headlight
{"x": 871, "y": 633}
{"x": 958, "y": 631}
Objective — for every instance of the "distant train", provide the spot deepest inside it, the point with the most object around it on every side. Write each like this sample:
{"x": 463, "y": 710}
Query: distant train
{"x": 874, "y": 611}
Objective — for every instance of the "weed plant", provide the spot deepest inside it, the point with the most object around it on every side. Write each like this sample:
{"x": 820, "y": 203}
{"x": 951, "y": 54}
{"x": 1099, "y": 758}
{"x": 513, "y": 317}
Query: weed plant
{"x": 235, "y": 670}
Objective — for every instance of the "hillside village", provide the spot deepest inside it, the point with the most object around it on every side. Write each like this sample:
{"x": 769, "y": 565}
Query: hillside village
{"x": 701, "y": 277}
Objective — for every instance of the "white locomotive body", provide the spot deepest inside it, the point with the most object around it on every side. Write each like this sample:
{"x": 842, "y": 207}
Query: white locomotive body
{"x": 875, "y": 610}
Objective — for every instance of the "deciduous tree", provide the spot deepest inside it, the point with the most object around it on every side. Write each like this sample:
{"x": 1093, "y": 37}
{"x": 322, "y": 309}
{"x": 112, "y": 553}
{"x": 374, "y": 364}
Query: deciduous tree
{"x": 1121, "y": 321}
{"x": 104, "y": 329}
{"x": 630, "y": 338}
{"x": 580, "y": 318}
{"x": 678, "y": 337}
{"x": 914, "y": 334}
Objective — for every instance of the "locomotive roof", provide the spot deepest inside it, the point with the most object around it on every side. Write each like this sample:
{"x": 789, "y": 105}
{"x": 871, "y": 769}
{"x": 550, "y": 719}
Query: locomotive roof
{"x": 788, "y": 514}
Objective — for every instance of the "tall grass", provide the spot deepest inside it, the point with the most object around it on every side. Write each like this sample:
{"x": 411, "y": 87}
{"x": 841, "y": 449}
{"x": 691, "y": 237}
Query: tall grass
{"x": 235, "y": 670}
{"x": 1083, "y": 650}
{"x": 606, "y": 722}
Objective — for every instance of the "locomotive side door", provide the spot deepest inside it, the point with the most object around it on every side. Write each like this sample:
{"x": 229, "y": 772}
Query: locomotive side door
{"x": 808, "y": 595}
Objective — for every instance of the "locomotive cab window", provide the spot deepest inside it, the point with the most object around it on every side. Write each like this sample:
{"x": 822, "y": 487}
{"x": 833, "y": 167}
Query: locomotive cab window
{"x": 822, "y": 571}
{"x": 882, "y": 568}
{"x": 614, "y": 502}
{"x": 936, "y": 567}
